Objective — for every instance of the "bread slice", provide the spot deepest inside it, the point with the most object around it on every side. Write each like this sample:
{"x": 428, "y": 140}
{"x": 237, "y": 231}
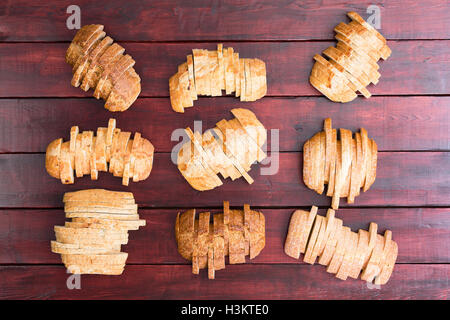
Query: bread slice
{"x": 194, "y": 173}
{"x": 201, "y": 75}
{"x": 202, "y": 156}
{"x": 226, "y": 149}
{"x": 296, "y": 225}
{"x": 331, "y": 243}
{"x": 69, "y": 248}
{"x": 216, "y": 90}
{"x": 333, "y": 160}
{"x": 125, "y": 92}
{"x": 219, "y": 242}
{"x": 81, "y": 65}
{"x": 221, "y": 63}
{"x": 258, "y": 70}
{"x": 361, "y": 249}
{"x": 305, "y": 232}
{"x": 330, "y": 81}
{"x": 53, "y": 158}
{"x": 218, "y": 161}
{"x": 248, "y": 80}
{"x": 252, "y": 125}
{"x": 329, "y": 225}
{"x": 389, "y": 265}
{"x": 339, "y": 179}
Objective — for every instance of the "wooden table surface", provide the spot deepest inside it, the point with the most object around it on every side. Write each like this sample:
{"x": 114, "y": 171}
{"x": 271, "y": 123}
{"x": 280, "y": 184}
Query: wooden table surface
{"x": 408, "y": 116}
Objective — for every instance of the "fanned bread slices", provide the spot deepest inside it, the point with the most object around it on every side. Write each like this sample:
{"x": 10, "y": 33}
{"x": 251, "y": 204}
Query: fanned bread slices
{"x": 229, "y": 149}
{"x": 233, "y": 233}
{"x": 346, "y": 165}
{"x": 344, "y": 252}
{"x": 209, "y": 72}
{"x": 91, "y": 242}
{"x": 352, "y": 64}
{"x": 87, "y": 153}
{"x": 100, "y": 64}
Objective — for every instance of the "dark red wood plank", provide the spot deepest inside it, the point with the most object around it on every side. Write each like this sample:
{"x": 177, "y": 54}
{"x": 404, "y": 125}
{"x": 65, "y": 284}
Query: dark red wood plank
{"x": 423, "y": 235}
{"x": 39, "y": 69}
{"x": 235, "y": 282}
{"x": 200, "y": 20}
{"x": 396, "y": 123}
{"x": 403, "y": 179}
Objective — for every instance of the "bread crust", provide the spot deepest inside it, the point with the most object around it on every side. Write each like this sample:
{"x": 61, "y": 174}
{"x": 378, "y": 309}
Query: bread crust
{"x": 91, "y": 242}
{"x": 99, "y": 63}
{"x": 88, "y": 154}
{"x": 345, "y": 253}
{"x": 352, "y": 64}
{"x": 233, "y": 233}
{"x": 209, "y": 72}
{"x": 346, "y": 165}
{"x": 229, "y": 149}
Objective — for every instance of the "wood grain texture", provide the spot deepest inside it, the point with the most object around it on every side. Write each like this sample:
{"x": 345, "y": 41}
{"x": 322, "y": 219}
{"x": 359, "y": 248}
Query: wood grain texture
{"x": 235, "y": 282}
{"x": 175, "y": 20}
{"x": 403, "y": 179}
{"x": 408, "y": 117}
{"x": 39, "y": 69}
{"x": 395, "y": 123}
{"x": 423, "y": 235}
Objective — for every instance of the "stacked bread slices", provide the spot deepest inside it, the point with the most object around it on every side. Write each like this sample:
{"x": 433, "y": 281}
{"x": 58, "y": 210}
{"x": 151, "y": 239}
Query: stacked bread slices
{"x": 88, "y": 154}
{"x": 233, "y": 233}
{"x": 352, "y": 64}
{"x": 209, "y": 72}
{"x": 100, "y": 64}
{"x": 346, "y": 165}
{"x": 344, "y": 252}
{"x": 91, "y": 242}
{"x": 229, "y": 149}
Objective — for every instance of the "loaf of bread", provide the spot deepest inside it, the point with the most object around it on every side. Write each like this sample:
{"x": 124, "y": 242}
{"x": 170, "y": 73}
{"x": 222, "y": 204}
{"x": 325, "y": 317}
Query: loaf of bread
{"x": 100, "y": 64}
{"x": 91, "y": 242}
{"x": 233, "y": 233}
{"x": 352, "y": 64}
{"x": 208, "y": 72}
{"x": 229, "y": 149}
{"x": 344, "y": 252}
{"x": 88, "y": 154}
{"x": 346, "y": 165}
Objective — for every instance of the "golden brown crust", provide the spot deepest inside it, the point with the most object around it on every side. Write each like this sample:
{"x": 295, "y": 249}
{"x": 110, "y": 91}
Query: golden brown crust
{"x": 79, "y": 41}
{"x": 236, "y": 233}
{"x": 211, "y": 71}
{"x": 353, "y": 62}
{"x": 91, "y": 242}
{"x": 345, "y": 253}
{"x": 98, "y": 63}
{"x": 88, "y": 154}
{"x": 346, "y": 165}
